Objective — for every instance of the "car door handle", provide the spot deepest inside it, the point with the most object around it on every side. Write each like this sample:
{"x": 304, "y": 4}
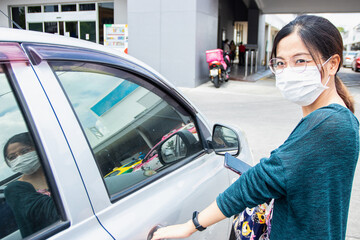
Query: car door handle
{"x": 154, "y": 229}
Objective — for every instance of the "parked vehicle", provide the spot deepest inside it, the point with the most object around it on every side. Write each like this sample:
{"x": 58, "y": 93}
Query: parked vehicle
{"x": 348, "y": 58}
{"x": 219, "y": 66}
{"x": 88, "y": 109}
{"x": 356, "y": 63}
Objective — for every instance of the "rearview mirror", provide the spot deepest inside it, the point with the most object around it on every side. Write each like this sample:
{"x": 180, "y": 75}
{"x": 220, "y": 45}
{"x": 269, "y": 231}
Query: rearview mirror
{"x": 225, "y": 139}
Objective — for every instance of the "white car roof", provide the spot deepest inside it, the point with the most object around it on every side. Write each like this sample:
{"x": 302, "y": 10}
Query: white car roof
{"x": 17, "y": 35}
{"x": 21, "y": 36}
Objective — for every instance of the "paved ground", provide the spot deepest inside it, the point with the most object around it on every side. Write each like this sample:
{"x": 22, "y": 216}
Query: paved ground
{"x": 258, "y": 108}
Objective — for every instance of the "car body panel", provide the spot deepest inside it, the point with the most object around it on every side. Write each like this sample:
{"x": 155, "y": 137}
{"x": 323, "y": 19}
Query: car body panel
{"x": 356, "y": 63}
{"x": 166, "y": 206}
{"x": 88, "y": 210}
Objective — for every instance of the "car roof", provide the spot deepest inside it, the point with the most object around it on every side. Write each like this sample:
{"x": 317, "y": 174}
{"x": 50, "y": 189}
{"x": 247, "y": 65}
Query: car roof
{"x": 27, "y": 36}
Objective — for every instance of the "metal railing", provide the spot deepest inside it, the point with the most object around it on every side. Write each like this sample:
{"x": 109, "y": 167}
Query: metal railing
{"x": 253, "y": 62}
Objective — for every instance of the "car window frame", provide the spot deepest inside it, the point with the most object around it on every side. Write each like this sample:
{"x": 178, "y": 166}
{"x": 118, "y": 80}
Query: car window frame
{"x": 150, "y": 86}
{"x": 64, "y": 222}
{"x": 49, "y": 52}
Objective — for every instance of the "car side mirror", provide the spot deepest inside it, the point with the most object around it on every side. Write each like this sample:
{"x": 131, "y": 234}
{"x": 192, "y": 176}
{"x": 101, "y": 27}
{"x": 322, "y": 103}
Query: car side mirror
{"x": 225, "y": 139}
{"x": 178, "y": 146}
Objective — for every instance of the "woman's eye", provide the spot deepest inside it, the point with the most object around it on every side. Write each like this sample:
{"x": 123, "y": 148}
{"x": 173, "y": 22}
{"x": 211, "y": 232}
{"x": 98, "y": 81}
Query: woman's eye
{"x": 11, "y": 157}
{"x": 279, "y": 64}
{"x": 300, "y": 61}
{"x": 24, "y": 151}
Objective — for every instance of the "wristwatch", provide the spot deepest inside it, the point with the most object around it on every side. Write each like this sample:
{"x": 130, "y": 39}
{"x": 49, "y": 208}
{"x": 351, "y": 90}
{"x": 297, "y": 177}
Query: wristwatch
{"x": 196, "y": 221}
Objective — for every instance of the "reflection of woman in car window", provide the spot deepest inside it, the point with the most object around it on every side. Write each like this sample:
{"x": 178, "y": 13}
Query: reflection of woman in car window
{"x": 29, "y": 197}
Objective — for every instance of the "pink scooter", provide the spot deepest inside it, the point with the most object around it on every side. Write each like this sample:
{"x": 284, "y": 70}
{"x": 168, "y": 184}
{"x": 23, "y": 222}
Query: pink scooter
{"x": 219, "y": 66}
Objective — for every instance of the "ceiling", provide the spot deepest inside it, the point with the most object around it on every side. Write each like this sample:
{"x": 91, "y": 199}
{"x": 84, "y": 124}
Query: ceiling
{"x": 308, "y": 6}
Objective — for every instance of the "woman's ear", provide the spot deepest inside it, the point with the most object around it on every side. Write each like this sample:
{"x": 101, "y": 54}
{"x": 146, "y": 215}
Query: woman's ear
{"x": 333, "y": 64}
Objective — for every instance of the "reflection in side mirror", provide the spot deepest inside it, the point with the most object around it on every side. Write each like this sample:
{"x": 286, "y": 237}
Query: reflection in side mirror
{"x": 173, "y": 149}
{"x": 225, "y": 139}
{"x": 180, "y": 145}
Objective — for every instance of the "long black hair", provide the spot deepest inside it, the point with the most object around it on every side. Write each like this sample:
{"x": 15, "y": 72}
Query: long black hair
{"x": 323, "y": 40}
{"x": 23, "y": 138}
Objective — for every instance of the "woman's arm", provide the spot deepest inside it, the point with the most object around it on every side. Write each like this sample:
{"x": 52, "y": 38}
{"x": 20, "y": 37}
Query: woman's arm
{"x": 207, "y": 217}
{"x": 257, "y": 185}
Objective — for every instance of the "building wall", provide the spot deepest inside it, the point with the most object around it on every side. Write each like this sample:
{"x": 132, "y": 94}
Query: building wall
{"x": 120, "y": 12}
{"x": 4, "y": 6}
{"x": 172, "y": 36}
{"x": 206, "y": 37}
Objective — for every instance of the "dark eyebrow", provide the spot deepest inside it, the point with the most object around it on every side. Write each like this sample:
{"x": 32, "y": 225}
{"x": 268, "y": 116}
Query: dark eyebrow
{"x": 298, "y": 54}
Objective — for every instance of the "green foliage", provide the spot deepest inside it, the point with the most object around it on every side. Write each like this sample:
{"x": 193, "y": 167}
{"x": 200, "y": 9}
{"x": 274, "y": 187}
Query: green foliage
{"x": 341, "y": 29}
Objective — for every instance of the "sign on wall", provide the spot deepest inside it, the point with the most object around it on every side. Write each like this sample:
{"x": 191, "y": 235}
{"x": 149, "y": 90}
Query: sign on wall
{"x": 116, "y": 36}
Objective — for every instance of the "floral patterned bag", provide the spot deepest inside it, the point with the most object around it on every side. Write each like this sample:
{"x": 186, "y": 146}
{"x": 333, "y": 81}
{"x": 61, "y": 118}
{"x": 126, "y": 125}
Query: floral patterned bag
{"x": 254, "y": 223}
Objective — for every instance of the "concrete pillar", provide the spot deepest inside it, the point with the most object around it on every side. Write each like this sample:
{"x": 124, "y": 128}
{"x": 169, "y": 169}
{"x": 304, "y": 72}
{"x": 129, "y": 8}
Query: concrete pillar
{"x": 261, "y": 40}
{"x": 172, "y": 37}
{"x": 269, "y": 44}
{"x": 253, "y": 26}
{"x": 4, "y": 21}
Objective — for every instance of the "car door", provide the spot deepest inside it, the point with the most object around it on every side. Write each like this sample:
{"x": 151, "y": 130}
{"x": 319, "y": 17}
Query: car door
{"x": 27, "y": 113}
{"x": 141, "y": 149}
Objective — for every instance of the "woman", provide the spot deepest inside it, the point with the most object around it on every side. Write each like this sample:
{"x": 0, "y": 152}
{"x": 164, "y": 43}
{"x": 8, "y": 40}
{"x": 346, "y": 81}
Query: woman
{"x": 226, "y": 46}
{"x": 29, "y": 197}
{"x": 310, "y": 176}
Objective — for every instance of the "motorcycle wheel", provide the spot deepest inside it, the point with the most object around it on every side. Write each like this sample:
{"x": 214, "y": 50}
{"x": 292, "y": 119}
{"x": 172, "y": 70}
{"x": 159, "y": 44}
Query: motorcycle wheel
{"x": 216, "y": 81}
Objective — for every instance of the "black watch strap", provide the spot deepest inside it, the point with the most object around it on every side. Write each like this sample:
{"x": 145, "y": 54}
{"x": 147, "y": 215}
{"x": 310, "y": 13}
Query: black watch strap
{"x": 196, "y": 221}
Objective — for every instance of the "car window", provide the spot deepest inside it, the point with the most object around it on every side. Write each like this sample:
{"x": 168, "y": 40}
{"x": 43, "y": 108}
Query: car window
{"x": 134, "y": 129}
{"x": 26, "y": 203}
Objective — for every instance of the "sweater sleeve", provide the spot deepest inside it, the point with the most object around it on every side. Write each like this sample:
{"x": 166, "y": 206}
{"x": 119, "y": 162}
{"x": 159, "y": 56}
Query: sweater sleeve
{"x": 264, "y": 181}
{"x": 32, "y": 210}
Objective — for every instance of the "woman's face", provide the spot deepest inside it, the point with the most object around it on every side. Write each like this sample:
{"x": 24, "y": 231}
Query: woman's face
{"x": 22, "y": 158}
{"x": 293, "y": 50}
{"x": 17, "y": 149}
{"x": 291, "y": 47}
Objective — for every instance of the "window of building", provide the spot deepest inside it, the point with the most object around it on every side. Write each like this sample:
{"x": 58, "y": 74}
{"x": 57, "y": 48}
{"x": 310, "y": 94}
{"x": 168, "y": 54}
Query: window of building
{"x": 51, "y": 8}
{"x": 18, "y": 16}
{"x": 71, "y": 29}
{"x": 36, "y": 27}
{"x": 88, "y": 31}
{"x": 68, "y": 7}
{"x": 106, "y": 16}
{"x": 134, "y": 129}
{"x": 34, "y": 9}
{"x": 51, "y": 27}
{"x": 87, "y": 7}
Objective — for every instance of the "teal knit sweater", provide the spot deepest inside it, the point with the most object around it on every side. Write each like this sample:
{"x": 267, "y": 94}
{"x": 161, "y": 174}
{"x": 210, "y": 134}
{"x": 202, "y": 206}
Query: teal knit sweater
{"x": 310, "y": 177}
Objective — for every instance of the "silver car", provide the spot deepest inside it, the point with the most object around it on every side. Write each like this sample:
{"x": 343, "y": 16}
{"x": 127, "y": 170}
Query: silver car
{"x": 111, "y": 148}
{"x": 348, "y": 58}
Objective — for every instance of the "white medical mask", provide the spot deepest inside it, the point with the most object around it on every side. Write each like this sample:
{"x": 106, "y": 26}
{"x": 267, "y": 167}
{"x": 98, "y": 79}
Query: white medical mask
{"x": 301, "y": 88}
{"x": 26, "y": 164}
